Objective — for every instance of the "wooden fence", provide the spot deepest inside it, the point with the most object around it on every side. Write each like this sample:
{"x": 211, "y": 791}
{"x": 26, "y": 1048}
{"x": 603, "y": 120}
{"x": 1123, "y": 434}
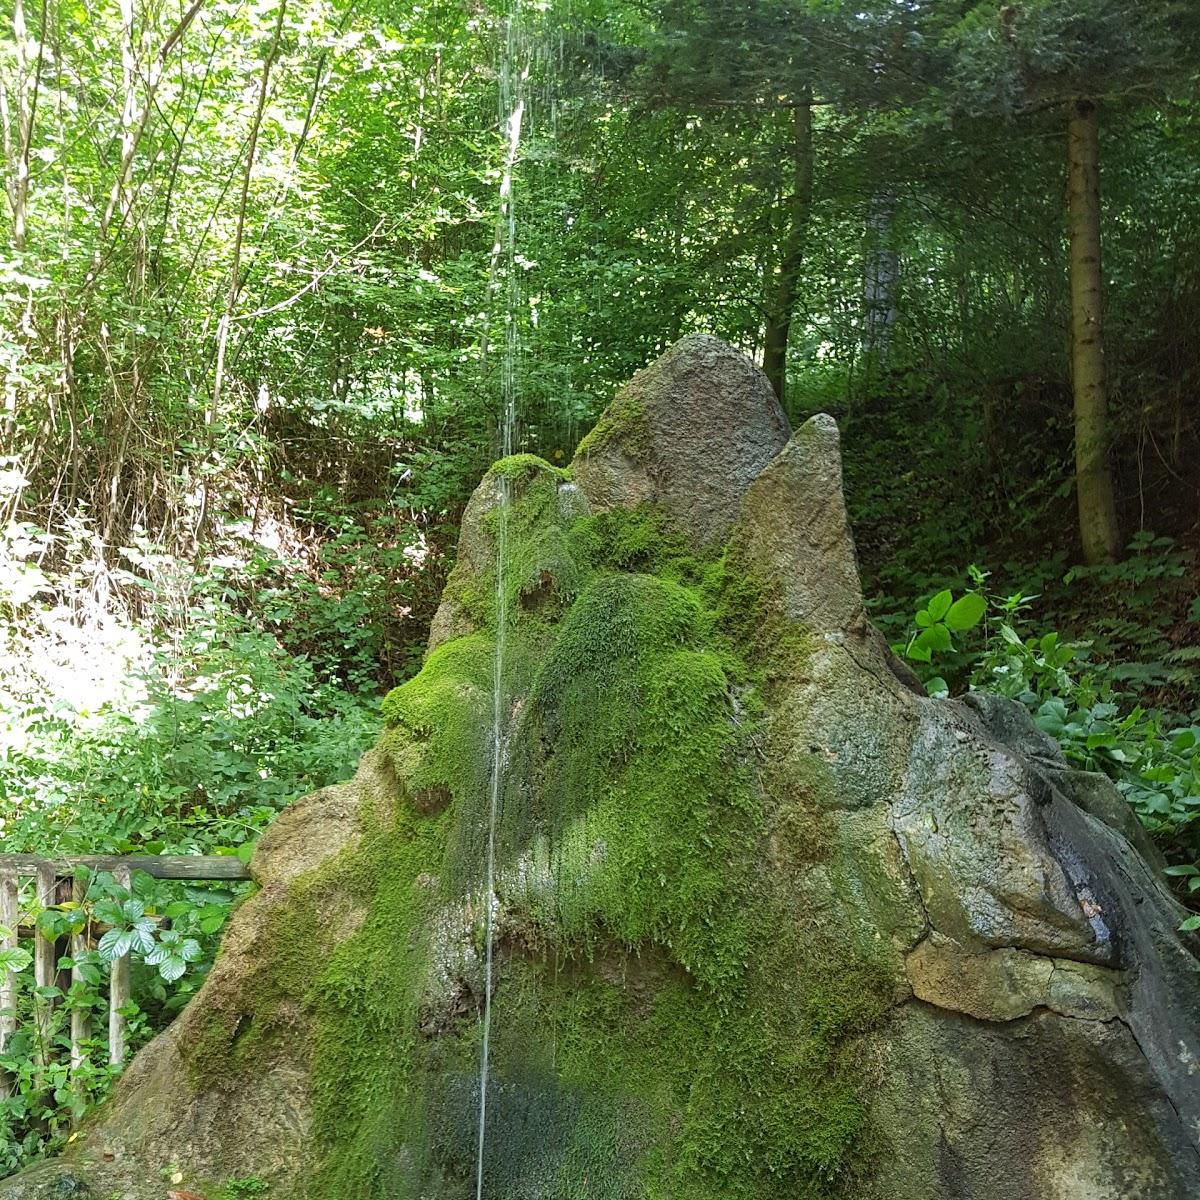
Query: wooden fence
{"x": 55, "y": 883}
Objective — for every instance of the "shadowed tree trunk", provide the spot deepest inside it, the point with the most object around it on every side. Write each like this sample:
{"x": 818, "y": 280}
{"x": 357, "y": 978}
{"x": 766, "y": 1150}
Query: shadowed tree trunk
{"x": 781, "y": 291}
{"x": 1098, "y": 530}
{"x": 881, "y": 269}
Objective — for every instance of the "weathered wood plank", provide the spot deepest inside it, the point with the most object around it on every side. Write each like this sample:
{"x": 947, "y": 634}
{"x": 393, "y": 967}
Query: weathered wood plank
{"x": 118, "y": 991}
{"x": 95, "y": 929}
{"x": 79, "y": 946}
{"x": 8, "y": 980}
{"x": 43, "y": 948}
{"x": 44, "y": 964}
{"x": 161, "y": 866}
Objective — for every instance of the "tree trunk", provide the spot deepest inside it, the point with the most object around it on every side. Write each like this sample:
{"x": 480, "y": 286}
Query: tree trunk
{"x": 17, "y": 151}
{"x": 781, "y": 296}
{"x": 881, "y": 270}
{"x": 1098, "y": 530}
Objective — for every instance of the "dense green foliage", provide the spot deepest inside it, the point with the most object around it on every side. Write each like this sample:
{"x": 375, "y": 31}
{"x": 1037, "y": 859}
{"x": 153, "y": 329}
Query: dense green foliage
{"x": 184, "y": 730}
{"x": 249, "y": 316}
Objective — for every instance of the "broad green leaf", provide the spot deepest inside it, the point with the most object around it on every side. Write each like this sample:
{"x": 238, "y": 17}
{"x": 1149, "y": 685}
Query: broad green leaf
{"x": 109, "y": 911}
{"x": 940, "y": 604}
{"x": 966, "y": 612}
{"x": 14, "y": 959}
{"x": 142, "y": 936}
{"x": 115, "y": 944}
{"x": 172, "y": 968}
{"x": 143, "y": 885}
{"x": 48, "y": 922}
{"x": 936, "y": 637}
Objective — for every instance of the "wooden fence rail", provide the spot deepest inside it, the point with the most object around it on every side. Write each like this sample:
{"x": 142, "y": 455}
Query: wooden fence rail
{"x": 161, "y": 866}
{"x": 55, "y": 883}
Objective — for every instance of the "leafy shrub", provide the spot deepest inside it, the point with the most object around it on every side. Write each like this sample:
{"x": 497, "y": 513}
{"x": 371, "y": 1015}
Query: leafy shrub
{"x": 149, "y": 709}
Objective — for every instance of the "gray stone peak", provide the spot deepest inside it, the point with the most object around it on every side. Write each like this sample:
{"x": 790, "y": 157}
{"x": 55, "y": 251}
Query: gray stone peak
{"x": 690, "y": 433}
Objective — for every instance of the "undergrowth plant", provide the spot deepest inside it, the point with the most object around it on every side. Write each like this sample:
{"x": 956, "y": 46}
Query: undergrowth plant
{"x": 1079, "y": 693}
{"x": 148, "y": 709}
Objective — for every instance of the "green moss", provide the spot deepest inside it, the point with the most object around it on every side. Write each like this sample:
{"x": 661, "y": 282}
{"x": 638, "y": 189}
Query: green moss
{"x": 437, "y": 722}
{"x": 623, "y": 422}
{"x": 628, "y": 731}
{"x": 541, "y": 576}
{"x": 742, "y": 608}
{"x": 366, "y": 1005}
{"x": 207, "y": 1052}
{"x": 638, "y": 539}
{"x": 751, "y": 616}
{"x": 645, "y": 831}
{"x": 525, "y": 467}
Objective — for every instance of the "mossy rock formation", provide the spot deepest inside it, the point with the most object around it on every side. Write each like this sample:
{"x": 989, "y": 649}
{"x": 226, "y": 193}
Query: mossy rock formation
{"x": 770, "y": 922}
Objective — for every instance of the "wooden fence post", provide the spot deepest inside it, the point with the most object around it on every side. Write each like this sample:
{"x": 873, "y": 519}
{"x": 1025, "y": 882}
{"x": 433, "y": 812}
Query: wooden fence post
{"x": 49, "y": 891}
{"x": 79, "y": 945}
{"x": 44, "y": 966}
{"x": 8, "y": 979}
{"x": 118, "y": 990}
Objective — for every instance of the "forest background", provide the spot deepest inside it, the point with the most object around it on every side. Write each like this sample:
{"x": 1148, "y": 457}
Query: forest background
{"x": 246, "y": 289}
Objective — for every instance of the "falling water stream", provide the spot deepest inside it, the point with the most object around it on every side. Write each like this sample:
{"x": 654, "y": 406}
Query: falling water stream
{"x": 513, "y": 80}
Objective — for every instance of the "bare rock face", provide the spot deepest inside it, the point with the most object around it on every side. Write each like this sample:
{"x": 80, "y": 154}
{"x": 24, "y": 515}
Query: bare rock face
{"x": 799, "y": 533}
{"x": 1041, "y": 1106}
{"x": 689, "y": 434}
{"x": 769, "y": 921}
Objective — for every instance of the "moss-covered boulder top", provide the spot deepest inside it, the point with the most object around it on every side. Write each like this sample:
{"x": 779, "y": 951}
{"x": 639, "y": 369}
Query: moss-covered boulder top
{"x": 769, "y": 921}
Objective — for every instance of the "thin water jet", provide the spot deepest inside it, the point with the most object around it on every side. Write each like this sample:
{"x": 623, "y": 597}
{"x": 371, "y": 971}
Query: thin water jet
{"x": 513, "y": 99}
